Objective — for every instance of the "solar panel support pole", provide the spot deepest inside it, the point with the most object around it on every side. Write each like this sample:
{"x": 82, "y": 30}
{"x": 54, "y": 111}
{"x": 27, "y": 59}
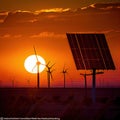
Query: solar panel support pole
{"x": 93, "y": 87}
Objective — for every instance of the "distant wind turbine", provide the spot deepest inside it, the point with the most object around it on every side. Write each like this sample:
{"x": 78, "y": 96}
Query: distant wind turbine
{"x": 49, "y": 73}
{"x": 64, "y": 71}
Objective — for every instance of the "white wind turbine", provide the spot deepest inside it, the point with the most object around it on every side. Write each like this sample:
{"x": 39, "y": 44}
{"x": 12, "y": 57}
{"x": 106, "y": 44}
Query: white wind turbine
{"x": 38, "y": 66}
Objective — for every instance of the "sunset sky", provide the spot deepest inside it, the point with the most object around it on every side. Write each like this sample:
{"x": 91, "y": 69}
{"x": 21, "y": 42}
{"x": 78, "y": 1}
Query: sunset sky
{"x": 44, "y": 24}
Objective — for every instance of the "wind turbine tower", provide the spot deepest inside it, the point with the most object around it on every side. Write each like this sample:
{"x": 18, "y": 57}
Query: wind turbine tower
{"x": 64, "y": 71}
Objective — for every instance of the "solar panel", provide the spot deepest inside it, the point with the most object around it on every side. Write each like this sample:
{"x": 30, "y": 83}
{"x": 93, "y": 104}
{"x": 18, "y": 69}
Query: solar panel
{"x": 90, "y": 51}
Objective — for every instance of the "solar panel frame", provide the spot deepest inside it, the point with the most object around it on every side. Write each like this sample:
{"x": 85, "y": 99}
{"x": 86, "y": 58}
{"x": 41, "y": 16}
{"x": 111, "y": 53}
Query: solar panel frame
{"x": 90, "y": 51}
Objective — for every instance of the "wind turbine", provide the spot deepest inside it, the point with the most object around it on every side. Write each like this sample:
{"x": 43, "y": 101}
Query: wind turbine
{"x": 64, "y": 71}
{"x": 49, "y": 73}
{"x": 38, "y": 65}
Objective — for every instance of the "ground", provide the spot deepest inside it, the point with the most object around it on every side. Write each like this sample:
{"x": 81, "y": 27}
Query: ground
{"x": 66, "y": 104}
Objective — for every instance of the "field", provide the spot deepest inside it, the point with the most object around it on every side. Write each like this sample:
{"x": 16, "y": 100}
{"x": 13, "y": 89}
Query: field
{"x": 66, "y": 104}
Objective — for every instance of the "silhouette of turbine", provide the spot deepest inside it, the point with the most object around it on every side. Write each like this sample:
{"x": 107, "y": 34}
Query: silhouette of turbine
{"x": 64, "y": 71}
{"x": 49, "y": 73}
{"x": 38, "y": 65}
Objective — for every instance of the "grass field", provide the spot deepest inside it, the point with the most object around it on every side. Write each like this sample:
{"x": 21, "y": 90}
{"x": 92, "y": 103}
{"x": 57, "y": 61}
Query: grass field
{"x": 66, "y": 104}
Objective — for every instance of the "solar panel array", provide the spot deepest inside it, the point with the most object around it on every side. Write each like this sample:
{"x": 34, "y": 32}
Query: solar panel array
{"x": 90, "y": 51}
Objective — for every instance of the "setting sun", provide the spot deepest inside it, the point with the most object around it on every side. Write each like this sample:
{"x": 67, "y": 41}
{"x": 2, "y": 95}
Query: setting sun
{"x": 30, "y": 63}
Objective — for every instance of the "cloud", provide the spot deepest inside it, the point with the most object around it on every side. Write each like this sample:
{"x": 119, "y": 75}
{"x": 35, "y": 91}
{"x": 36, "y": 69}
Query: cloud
{"x": 10, "y": 36}
{"x": 95, "y": 17}
{"x": 53, "y": 10}
{"x": 102, "y": 6}
{"x": 18, "y": 17}
{"x": 3, "y": 15}
{"x": 28, "y": 16}
{"x": 107, "y": 6}
{"x": 48, "y": 35}
{"x": 6, "y": 36}
{"x": 17, "y": 36}
{"x": 56, "y": 13}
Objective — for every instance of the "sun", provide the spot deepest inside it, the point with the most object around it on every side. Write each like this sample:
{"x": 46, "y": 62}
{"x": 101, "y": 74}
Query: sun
{"x": 30, "y": 63}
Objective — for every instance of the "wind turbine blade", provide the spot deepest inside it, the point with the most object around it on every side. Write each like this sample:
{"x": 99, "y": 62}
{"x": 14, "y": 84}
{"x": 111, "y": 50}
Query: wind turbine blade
{"x": 51, "y": 76}
{"x": 51, "y": 73}
{"x": 52, "y": 65}
{"x": 52, "y": 70}
{"x": 34, "y": 67}
{"x": 47, "y": 64}
{"x": 35, "y": 54}
{"x": 66, "y": 69}
{"x": 42, "y": 64}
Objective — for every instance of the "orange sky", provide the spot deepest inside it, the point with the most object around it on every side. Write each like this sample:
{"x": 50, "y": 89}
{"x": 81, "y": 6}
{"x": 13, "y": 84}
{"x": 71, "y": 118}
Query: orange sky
{"x": 46, "y": 29}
